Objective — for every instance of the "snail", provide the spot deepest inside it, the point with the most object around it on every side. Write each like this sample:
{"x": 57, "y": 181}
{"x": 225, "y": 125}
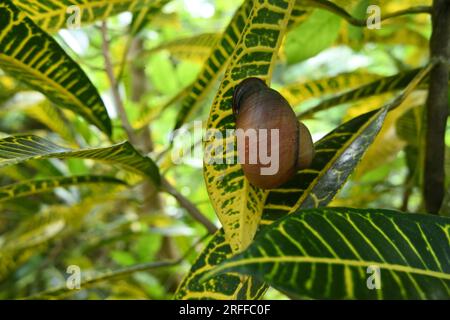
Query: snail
{"x": 256, "y": 106}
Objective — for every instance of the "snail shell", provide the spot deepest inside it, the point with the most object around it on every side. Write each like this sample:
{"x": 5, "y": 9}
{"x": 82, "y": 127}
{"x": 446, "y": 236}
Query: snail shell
{"x": 256, "y": 106}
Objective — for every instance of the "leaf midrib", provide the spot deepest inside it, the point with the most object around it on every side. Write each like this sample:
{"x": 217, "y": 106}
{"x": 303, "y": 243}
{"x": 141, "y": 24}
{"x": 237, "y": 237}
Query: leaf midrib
{"x": 330, "y": 163}
{"x": 56, "y": 84}
{"x": 334, "y": 261}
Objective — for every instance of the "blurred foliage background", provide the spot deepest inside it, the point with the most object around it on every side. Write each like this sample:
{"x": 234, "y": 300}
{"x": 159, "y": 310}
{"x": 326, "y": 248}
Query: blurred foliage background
{"x": 107, "y": 227}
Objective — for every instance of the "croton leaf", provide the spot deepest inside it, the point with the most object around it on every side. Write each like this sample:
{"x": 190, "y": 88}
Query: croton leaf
{"x": 195, "y": 48}
{"x": 30, "y": 187}
{"x": 224, "y": 287}
{"x": 17, "y": 149}
{"x": 215, "y": 63}
{"x": 379, "y": 86}
{"x": 237, "y": 203}
{"x": 29, "y": 54}
{"x": 337, "y": 155}
{"x": 298, "y": 92}
{"x": 343, "y": 253}
{"x": 332, "y": 151}
{"x": 144, "y": 15}
{"x": 53, "y": 15}
{"x": 222, "y": 52}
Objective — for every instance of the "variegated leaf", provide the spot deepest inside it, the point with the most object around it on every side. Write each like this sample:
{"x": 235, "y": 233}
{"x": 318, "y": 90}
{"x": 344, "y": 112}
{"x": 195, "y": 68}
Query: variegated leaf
{"x": 237, "y": 203}
{"x": 14, "y": 150}
{"x": 31, "y": 187}
{"x": 52, "y": 15}
{"x": 225, "y": 287}
{"x": 144, "y": 15}
{"x": 337, "y": 154}
{"x": 195, "y": 48}
{"x": 344, "y": 253}
{"x": 380, "y": 86}
{"x": 32, "y": 56}
{"x": 221, "y": 54}
{"x": 298, "y": 92}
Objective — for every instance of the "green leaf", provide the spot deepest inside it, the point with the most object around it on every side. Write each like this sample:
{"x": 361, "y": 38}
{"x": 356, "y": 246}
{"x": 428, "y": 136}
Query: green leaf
{"x": 298, "y": 92}
{"x": 237, "y": 203}
{"x": 337, "y": 155}
{"x": 216, "y": 62}
{"x": 299, "y": 14}
{"x": 29, "y": 54}
{"x": 195, "y": 48}
{"x": 53, "y": 15}
{"x": 49, "y": 115}
{"x": 220, "y": 55}
{"x": 377, "y": 87}
{"x": 18, "y": 149}
{"x": 332, "y": 149}
{"x": 224, "y": 287}
{"x": 8, "y": 88}
{"x": 143, "y": 17}
{"x": 332, "y": 253}
{"x": 305, "y": 41}
{"x": 26, "y": 188}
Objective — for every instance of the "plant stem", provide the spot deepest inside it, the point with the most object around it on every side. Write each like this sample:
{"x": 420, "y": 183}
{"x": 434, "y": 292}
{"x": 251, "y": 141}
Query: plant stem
{"x": 166, "y": 186}
{"x": 189, "y": 206}
{"x": 437, "y": 108}
{"x": 120, "y": 108}
{"x": 332, "y": 7}
{"x": 118, "y": 273}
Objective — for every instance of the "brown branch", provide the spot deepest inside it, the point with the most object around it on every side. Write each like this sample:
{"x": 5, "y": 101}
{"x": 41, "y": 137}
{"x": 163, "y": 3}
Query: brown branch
{"x": 332, "y": 7}
{"x": 120, "y": 108}
{"x": 191, "y": 208}
{"x": 437, "y": 108}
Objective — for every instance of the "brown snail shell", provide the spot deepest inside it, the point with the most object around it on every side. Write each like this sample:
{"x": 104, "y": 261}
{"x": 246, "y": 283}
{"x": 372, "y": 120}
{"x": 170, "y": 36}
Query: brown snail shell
{"x": 256, "y": 106}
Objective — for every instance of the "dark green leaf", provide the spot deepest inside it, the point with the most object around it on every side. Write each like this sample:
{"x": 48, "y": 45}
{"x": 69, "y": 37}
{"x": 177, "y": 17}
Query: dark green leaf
{"x": 336, "y": 253}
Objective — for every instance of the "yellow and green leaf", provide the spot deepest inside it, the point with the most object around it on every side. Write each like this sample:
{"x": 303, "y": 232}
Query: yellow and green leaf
{"x": 32, "y": 56}
{"x": 53, "y": 15}
{"x": 221, "y": 54}
{"x": 31, "y": 187}
{"x": 49, "y": 115}
{"x": 377, "y": 87}
{"x": 300, "y": 91}
{"x": 337, "y": 155}
{"x": 145, "y": 14}
{"x": 237, "y": 203}
{"x": 343, "y": 253}
{"x": 225, "y": 287}
{"x": 196, "y": 48}
{"x": 216, "y": 62}
{"x": 17, "y": 149}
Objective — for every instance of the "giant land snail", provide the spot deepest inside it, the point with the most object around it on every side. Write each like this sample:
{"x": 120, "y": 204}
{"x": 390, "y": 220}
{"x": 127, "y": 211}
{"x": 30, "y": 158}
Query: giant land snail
{"x": 264, "y": 119}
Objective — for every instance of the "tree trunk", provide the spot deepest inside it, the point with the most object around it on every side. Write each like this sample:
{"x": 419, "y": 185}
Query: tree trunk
{"x": 437, "y": 108}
